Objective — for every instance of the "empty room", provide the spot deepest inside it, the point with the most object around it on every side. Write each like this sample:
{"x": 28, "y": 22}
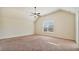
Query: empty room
{"x": 38, "y": 29}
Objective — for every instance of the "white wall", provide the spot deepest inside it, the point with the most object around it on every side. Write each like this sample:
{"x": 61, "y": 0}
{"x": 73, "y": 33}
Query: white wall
{"x": 77, "y": 36}
{"x": 10, "y": 17}
{"x": 14, "y": 22}
{"x": 64, "y": 24}
{"x": 78, "y": 27}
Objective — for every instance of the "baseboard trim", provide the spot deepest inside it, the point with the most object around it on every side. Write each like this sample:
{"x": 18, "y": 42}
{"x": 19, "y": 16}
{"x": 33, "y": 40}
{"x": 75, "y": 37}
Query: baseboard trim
{"x": 17, "y": 36}
{"x": 37, "y": 34}
{"x": 55, "y": 37}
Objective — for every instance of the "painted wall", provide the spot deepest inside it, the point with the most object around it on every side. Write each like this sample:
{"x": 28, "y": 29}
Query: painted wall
{"x": 77, "y": 29}
{"x": 64, "y": 24}
{"x": 14, "y": 22}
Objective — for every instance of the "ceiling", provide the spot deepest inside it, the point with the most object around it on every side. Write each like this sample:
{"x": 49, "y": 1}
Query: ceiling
{"x": 26, "y": 11}
{"x": 46, "y": 10}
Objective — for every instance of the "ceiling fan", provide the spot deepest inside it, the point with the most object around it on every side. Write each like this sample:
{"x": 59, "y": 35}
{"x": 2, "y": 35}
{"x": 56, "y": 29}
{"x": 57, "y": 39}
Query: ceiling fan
{"x": 35, "y": 13}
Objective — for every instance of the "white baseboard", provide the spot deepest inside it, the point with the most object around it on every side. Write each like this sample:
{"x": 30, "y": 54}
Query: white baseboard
{"x": 10, "y": 36}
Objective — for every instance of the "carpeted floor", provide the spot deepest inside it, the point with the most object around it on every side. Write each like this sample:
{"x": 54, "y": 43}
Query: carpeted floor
{"x": 37, "y": 43}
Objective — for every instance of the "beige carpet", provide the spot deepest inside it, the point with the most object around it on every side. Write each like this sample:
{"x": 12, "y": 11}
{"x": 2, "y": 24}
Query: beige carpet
{"x": 37, "y": 43}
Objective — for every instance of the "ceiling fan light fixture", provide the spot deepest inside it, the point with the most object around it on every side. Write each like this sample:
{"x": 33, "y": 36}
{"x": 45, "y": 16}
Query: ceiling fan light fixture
{"x": 36, "y": 13}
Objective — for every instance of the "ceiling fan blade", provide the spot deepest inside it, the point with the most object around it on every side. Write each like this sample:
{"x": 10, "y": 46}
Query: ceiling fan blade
{"x": 35, "y": 14}
{"x": 38, "y": 13}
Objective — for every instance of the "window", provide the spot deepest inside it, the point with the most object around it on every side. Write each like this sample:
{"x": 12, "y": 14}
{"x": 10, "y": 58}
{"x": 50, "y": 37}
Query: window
{"x": 48, "y": 26}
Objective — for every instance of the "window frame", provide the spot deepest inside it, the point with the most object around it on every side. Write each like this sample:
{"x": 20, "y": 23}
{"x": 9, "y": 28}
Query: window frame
{"x": 52, "y": 24}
